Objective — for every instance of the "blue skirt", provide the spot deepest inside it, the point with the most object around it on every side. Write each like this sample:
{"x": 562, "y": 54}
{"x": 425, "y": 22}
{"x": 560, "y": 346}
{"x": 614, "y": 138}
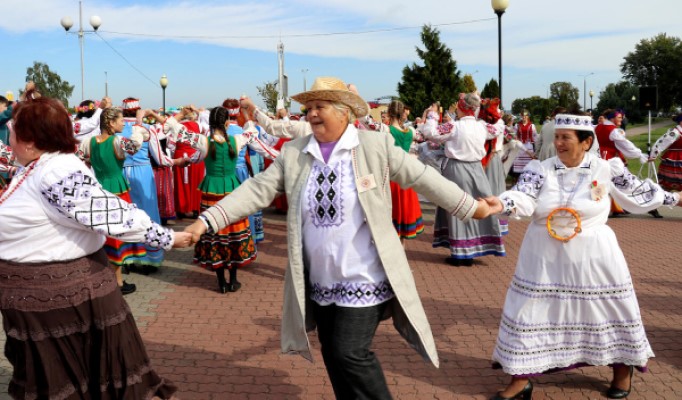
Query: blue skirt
{"x": 143, "y": 193}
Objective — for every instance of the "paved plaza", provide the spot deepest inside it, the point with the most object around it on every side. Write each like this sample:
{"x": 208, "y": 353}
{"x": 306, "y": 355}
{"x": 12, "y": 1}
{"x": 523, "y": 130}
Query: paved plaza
{"x": 226, "y": 346}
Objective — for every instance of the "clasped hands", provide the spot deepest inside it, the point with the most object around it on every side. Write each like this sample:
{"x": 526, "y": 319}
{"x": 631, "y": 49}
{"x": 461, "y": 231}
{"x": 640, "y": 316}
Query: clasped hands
{"x": 488, "y": 206}
{"x": 190, "y": 235}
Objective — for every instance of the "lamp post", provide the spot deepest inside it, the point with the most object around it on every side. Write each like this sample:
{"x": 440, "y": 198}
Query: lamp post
{"x": 67, "y": 23}
{"x": 585, "y": 88}
{"x": 591, "y": 96}
{"x": 499, "y": 6}
{"x": 164, "y": 83}
{"x": 106, "y": 84}
{"x": 304, "y": 70}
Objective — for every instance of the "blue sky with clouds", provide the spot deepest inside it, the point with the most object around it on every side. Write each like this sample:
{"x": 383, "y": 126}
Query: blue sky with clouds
{"x": 212, "y": 49}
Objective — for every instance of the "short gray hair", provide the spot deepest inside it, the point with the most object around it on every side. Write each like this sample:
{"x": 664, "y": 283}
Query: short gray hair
{"x": 345, "y": 110}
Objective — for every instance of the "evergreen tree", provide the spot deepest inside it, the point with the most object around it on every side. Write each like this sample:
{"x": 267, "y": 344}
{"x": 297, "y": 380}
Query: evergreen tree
{"x": 48, "y": 83}
{"x": 468, "y": 83}
{"x": 436, "y": 80}
{"x": 491, "y": 90}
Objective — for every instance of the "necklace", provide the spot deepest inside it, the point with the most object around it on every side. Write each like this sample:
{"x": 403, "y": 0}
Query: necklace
{"x": 10, "y": 190}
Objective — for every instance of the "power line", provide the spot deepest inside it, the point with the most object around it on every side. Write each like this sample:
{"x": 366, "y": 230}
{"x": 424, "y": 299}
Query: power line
{"x": 126, "y": 60}
{"x": 293, "y": 35}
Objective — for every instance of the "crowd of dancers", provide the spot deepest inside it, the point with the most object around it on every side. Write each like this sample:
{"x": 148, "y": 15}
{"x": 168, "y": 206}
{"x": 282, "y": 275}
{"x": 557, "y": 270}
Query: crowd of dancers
{"x": 92, "y": 196}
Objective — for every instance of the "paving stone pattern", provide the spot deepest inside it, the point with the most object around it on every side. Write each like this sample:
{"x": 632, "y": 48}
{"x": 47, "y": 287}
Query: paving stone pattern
{"x": 226, "y": 346}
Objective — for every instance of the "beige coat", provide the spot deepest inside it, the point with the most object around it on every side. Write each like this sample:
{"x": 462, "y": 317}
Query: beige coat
{"x": 376, "y": 156}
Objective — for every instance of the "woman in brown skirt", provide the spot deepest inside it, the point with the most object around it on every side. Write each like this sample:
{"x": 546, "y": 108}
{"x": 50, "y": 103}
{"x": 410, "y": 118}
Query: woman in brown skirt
{"x": 70, "y": 334}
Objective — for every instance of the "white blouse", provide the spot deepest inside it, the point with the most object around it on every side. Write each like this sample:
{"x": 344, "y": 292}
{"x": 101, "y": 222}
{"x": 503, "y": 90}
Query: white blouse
{"x": 60, "y": 212}
{"x": 464, "y": 142}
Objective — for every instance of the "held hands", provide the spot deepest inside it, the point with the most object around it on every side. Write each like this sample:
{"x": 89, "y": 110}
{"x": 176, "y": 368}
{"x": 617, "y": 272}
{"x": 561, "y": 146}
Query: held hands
{"x": 488, "y": 206}
{"x": 182, "y": 239}
{"x": 196, "y": 230}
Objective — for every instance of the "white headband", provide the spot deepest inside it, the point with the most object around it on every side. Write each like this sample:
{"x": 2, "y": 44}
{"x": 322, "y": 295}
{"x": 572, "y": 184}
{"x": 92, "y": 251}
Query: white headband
{"x": 575, "y": 122}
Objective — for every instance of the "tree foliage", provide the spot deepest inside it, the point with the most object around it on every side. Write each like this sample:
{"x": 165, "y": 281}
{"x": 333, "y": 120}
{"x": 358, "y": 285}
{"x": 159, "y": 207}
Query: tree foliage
{"x": 618, "y": 96}
{"x": 468, "y": 83}
{"x": 48, "y": 83}
{"x": 491, "y": 90}
{"x": 538, "y": 107}
{"x": 268, "y": 92}
{"x": 565, "y": 95}
{"x": 436, "y": 80}
{"x": 656, "y": 61}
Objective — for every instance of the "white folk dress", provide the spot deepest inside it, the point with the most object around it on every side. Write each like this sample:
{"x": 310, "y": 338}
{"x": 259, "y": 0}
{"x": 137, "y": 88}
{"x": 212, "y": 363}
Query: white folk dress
{"x": 573, "y": 303}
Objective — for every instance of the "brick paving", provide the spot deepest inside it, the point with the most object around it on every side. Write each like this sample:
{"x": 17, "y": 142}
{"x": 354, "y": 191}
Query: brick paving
{"x": 226, "y": 346}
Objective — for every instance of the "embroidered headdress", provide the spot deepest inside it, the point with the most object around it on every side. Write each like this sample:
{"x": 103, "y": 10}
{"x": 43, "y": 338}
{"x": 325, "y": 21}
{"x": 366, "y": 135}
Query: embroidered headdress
{"x": 575, "y": 122}
{"x": 468, "y": 103}
{"x": 131, "y": 104}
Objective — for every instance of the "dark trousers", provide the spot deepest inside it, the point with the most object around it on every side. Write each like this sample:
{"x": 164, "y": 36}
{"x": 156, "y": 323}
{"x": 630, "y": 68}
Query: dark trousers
{"x": 346, "y": 335}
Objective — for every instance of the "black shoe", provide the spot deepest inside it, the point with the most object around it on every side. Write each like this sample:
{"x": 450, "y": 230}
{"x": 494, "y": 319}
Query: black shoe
{"x": 455, "y": 262}
{"x": 128, "y": 288}
{"x": 233, "y": 287}
{"x": 466, "y": 262}
{"x": 655, "y": 214}
{"x": 616, "y": 393}
{"x": 222, "y": 289}
{"x": 526, "y": 393}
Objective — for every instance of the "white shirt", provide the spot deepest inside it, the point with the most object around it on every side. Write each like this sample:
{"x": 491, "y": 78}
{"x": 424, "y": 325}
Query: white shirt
{"x": 464, "y": 142}
{"x": 60, "y": 212}
{"x": 85, "y": 128}
{"x": 338, "y": 248}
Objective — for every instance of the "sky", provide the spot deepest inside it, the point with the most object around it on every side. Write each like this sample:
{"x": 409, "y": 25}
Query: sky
{"x": 211, "y": 50}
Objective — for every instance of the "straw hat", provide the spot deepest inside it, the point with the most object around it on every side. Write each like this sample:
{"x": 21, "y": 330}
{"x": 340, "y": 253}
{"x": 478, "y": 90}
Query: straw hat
{"x": 334, "y": 89}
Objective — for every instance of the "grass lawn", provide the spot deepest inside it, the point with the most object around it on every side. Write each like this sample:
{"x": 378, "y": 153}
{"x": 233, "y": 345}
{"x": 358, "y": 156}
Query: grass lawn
{"x": 641, "y": 142}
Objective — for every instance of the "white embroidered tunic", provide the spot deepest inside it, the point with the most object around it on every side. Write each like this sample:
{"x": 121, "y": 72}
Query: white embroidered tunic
{"x": 339, "y": 253}
{"x": 60, "y": 212}
{"x": 572, "y": 303}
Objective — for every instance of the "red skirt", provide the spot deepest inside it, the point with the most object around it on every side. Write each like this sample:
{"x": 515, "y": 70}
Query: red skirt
{"x": 187, "y": 181}
{"x": 407, "y": 213}
{"x": 163, "y": 176}
{"x": 670, "y": 170}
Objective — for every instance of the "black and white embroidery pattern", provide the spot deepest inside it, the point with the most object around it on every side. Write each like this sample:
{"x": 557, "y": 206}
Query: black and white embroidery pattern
{"x": 352, "y": 293}
{"x": 325, "y": 195}
{"x": 509, "y": 205}
{"x": 530, "y": 183}
{"x": 669, "y": 199}
{"x": 643, "y": 192}
{"x": 158, "y": 237}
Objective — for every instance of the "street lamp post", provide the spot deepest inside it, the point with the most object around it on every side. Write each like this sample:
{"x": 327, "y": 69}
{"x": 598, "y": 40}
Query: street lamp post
{"x": 164, "y": 83}
{"x": 591, "y": 96}
{"x": 106, "y": 84}
{"x": 304, "y": 70}
{"x": 585, "y": 88}
{"x": 67, "y": 23}
{"x": 499, "y": 6}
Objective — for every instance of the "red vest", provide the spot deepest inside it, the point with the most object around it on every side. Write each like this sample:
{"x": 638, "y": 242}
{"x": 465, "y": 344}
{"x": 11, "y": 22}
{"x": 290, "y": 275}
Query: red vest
{"x": 607, "y": 147}
{"x": 525, "y": 133}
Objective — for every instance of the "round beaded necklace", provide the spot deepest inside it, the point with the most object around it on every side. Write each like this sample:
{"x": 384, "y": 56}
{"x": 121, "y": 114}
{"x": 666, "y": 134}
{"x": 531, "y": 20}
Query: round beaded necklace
{"x": 11, "y": 189}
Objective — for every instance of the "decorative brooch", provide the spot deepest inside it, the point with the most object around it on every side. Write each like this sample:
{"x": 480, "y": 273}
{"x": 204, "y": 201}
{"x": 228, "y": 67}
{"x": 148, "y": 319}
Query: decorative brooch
{"x": 598, "y": 191}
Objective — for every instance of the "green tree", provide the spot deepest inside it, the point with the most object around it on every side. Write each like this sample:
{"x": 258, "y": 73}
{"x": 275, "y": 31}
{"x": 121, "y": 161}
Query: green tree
{"x": 436, "y": 80}
{"x": 491, "y": 90}
{"x": 268, "y": 92}
{"x": 565, "y": 95}
{"x": 48, "y": 83}
{"x": 619, "y": 96}
{"x": 538, "y": 107}
{"x": 468, "y": 83}
{"x": 656, "y": 62}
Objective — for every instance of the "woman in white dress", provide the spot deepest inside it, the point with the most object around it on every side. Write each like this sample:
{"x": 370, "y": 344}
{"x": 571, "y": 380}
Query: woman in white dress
{"x": 571, "y": 301}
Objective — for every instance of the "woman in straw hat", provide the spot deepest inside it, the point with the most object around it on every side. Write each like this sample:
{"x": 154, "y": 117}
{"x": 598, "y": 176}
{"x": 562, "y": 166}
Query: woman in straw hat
{"x": 347, "y": 270}
{"x": 571, "y": 301}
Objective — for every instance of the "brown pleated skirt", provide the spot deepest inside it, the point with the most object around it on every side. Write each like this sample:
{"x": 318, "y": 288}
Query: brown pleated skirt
{"x": 70, "y": 334}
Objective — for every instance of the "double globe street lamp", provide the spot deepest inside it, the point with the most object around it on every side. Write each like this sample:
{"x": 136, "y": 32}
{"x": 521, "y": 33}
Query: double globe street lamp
{"x": 499, "y": 6}
{"x": 67, "y": 23}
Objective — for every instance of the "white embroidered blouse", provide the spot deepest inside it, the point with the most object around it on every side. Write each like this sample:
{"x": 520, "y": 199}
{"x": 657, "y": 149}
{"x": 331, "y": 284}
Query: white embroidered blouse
{"x": 60, "y": 212}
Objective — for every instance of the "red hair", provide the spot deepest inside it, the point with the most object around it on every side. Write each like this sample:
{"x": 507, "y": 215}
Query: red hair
{"x": 45, "y": 123}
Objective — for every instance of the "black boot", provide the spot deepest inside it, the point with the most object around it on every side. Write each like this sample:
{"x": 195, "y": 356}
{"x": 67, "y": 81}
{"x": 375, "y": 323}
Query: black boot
{"x": 222, "y": 284}
{"x": 655, "y": 214}
{"x": 234, "y": 285}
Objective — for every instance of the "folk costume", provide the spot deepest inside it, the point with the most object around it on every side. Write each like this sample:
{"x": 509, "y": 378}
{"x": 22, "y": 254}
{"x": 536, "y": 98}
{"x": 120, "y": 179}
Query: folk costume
{"x": 571, "y": 301}
{"x": 70, "y": 334}
{"x": 613, "y": 143}
{"x": 527, "y": 135}
{"x": 187, "y": 178}
{"x": 163, "y": 173}
{"x": 490, "y": 117}
{"x": 669, "y": 148}
{"x": 464, "y": 150}
{"x": 233, "y": 246}
{"x": 406, "y": 211}
{"x": 106, "y": 156}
